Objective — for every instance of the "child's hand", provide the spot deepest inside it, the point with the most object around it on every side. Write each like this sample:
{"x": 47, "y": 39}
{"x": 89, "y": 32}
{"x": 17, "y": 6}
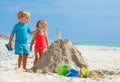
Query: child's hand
{"x": 33, "y": 32}
{"x": 30, "y": 49}
{"x": 9, "y": 45}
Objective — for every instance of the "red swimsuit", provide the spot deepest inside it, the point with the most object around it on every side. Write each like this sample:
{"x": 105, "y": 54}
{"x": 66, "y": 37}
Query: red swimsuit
{"x": 40, "y": 42}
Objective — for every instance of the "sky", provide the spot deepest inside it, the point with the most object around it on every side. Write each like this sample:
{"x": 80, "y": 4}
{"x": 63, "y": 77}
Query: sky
{"x": 77, "y": 20}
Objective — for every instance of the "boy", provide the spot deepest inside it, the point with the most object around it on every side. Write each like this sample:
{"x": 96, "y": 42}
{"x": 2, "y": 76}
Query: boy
{"x": 20, "y": 31}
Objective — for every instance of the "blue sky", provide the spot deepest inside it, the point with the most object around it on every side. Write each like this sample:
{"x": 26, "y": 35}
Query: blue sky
{"x": 77, "y": 20}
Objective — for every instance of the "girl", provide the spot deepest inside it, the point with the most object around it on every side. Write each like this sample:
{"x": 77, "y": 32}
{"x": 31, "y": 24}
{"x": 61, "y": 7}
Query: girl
{"x": 41, "y": 40}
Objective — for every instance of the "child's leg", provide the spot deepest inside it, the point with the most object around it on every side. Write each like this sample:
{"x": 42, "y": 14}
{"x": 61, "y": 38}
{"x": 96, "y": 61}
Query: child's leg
{"x": 24, "y": 60}
{"x": 36, "y": 57}
{"x": 19, "y": 60}
{"x": 40, "y": 54}
{"x": 25, "y": 54}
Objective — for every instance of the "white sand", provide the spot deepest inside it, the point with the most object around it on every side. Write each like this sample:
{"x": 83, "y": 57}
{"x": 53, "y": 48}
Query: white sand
{"x": 97, "y": 57}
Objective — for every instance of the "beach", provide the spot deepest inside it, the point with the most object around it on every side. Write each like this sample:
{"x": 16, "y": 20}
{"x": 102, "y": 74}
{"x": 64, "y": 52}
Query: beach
{"x": 101, "y": 58}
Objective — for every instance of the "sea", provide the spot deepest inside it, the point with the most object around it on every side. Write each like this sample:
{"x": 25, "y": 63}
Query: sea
{"x": 110, "y": 44}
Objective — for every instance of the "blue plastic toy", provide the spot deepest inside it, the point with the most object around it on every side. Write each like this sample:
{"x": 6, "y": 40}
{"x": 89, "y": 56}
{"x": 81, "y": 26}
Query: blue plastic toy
{"x": 8, "y": 48}
{"x": 72, "y": 72}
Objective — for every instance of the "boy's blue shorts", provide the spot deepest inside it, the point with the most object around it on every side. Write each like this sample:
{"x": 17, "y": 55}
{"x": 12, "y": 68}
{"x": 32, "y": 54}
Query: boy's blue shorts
{"x": 22, "y": 49}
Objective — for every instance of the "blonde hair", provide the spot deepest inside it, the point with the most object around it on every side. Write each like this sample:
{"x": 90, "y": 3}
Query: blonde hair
{"x": 42, "y": 23}
{"x": 23, "y": 13}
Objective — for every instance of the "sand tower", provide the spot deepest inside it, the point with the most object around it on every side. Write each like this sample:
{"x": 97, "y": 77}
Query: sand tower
{"x": 59, "y": 52}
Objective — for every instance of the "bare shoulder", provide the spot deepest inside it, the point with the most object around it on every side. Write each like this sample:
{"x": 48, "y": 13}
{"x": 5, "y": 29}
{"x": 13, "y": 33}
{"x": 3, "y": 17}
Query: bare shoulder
{"x": 45, "y": 34}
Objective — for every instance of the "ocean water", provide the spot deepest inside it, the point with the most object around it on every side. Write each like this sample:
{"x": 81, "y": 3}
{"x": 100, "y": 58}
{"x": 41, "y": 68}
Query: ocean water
{"x": 110, "y": 44}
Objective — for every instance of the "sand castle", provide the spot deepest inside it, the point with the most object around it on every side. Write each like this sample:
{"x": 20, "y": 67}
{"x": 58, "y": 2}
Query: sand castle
{"x": 60, "y": 52}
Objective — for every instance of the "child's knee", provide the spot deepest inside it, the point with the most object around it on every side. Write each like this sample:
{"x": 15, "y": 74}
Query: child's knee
{"x": 36, "y": 59}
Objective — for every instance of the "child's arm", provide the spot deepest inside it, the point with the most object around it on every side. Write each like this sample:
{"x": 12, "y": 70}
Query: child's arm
{"x": 33, "y": 32}
{"x": 32, "y": 42}
{"x": 46, "y": 39}
{"x": 10, "y": 40}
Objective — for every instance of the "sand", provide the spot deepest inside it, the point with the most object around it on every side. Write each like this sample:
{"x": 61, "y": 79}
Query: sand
{"x": 97, "y": 58}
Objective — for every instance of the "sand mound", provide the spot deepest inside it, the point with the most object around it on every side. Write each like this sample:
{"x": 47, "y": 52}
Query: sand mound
{"x": 2, "y": 36}
{"x": 60, "y": 52}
